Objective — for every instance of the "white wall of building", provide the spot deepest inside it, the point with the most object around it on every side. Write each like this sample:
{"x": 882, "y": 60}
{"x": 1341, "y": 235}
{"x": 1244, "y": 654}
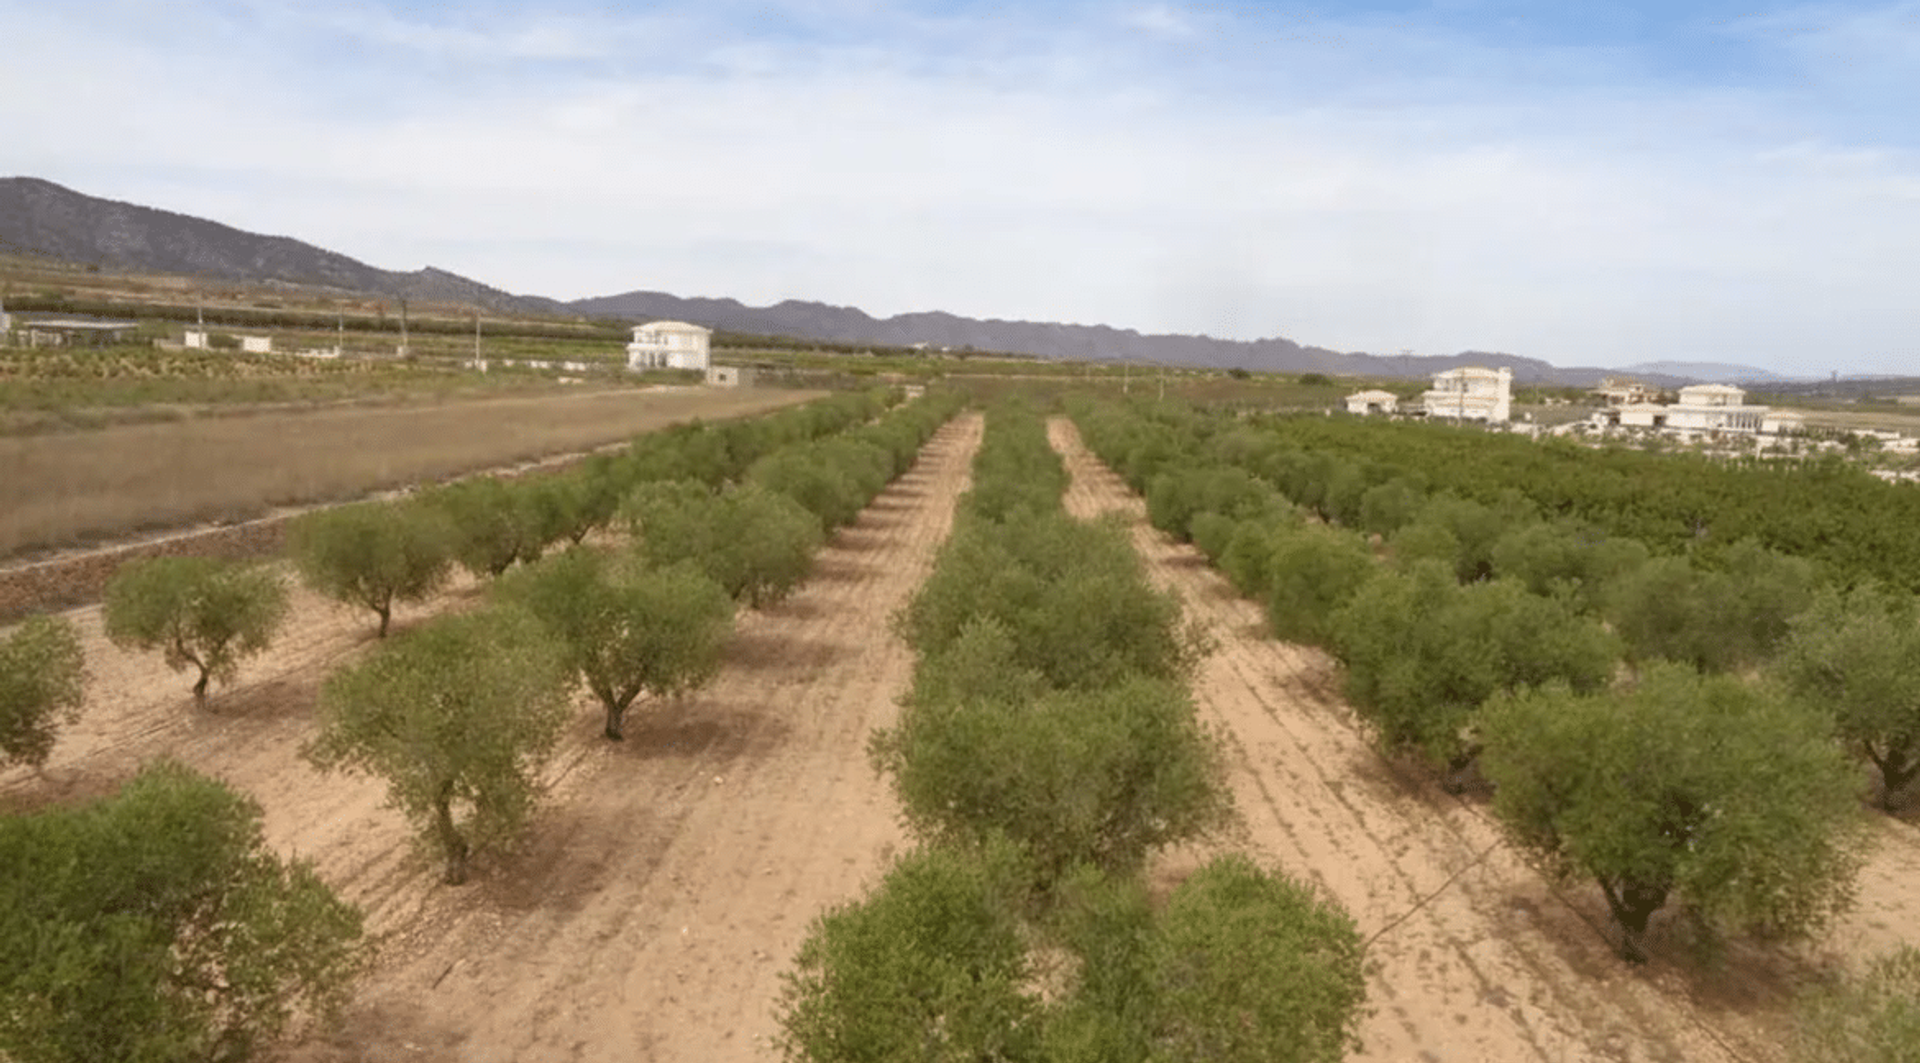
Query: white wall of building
{"x": 670, "y": 345}
{"x": 1471, "y": 393}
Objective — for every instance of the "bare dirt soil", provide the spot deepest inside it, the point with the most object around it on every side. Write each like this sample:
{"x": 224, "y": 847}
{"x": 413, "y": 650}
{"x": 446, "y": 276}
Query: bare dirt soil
{"x": 669, "y": 879}
{"x": 1499, "y": 963}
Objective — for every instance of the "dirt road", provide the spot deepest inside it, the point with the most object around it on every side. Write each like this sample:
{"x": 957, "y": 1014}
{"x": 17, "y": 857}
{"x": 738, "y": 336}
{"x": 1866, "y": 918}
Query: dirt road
{"x": 1498, "y": 964}
{"x": 669, "y": 879}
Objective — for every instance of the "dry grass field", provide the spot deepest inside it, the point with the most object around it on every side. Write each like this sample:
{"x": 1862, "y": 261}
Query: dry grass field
{"x": 72, "y": 489}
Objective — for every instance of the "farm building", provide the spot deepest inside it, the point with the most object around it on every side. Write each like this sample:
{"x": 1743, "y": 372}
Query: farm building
{"x": 729, "y": 376}
{"x": 1374, "y": 401}
{"x": 1470, "y": 393}
{"x": 43, "y": 330}
{"x": 669, "y": 345}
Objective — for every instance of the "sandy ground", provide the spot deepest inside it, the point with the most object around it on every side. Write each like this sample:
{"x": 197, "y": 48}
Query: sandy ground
{"x": 669, "y": 879}
{"x": 1500, "y": 964}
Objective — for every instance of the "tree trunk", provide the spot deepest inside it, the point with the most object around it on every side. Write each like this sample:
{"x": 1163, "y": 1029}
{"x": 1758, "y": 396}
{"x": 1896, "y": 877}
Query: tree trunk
{"x": 1897, "y": 769}
{"x": 386, "y": 616}
{"x": 451, "y": 841}
{"x": 1633, "y": 904}
{"x": 200, "y": 689}
{"x": 616, "y": 719}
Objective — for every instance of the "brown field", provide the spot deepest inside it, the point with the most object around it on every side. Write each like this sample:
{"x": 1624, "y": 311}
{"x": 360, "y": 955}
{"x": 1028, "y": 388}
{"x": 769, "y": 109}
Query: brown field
{"x": 669, "y": 879}
{"x": 67, "y": 489}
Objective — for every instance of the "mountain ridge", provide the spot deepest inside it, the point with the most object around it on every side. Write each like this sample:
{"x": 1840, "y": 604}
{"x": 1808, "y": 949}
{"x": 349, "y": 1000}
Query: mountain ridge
{"x": 39, "y": 216}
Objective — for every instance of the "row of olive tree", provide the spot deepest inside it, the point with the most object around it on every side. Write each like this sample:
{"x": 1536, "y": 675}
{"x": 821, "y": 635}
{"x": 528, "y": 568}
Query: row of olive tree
{"x": 223, "y": 944}
{"x": 1047, "y": 746}
{"x": 461, "y": 715}
{"x": 1660, "y": 783}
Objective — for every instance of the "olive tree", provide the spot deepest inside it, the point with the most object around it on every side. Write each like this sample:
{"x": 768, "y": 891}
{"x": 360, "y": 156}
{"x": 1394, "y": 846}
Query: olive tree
{"x": 1098, "y": 776}
{"x": 488, "y": 524}
{"x": 1719, "y": 792}
{"x": 458, "y": 717}
{"x": 626, "y": 628}
{"x": 1874, "y": 1018}
{"x": 43, "y": 676}
{"x": 759, "y": 544}
{"x": 199, "y": 612}
{"x": 1240, "y": 965}
{"x": 157, "y": 925}
{"x": 1856, "y": 656}
{"x": 931, "y": 965}
{"x": 372, "y": 554}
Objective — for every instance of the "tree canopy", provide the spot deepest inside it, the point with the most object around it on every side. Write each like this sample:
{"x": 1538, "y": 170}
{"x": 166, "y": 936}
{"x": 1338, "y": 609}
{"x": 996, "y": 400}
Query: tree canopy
{"x": 156, "y": 925}
{"x": 1707, "y": 788}
{"x": 373, "y": 554}
{"x": 199, "y": 612}
{"x": 1856, "y": 656}
{"x": 43, "y": 676}
{"x": 458, "y": 716}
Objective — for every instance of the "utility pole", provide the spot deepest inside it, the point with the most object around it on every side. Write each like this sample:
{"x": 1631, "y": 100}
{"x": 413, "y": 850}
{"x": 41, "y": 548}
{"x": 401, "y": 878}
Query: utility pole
{"x": 339, "y": 332}
{"x": 403, "y": 327}
{"x": 477, "y": 363}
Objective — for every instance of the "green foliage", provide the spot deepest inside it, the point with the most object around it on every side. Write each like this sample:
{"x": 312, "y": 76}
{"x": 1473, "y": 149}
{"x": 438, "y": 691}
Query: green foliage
{"x": 489, "y": 525}
{"x": 1072, "y": 595}
{"x": 932, "y": 965}
{"x": 1714, "y": 619}
{"x": 1874, "y": 1018}
{"x": 827, "y": 489}
{"x": 626, "y": 628}
{"x": 1311, "y": 573}
{"x": 1856, "y": 657}
{"x": 156, "y": 925}
{"x": 458, "y": 716}
{"x": 1423, "y": 652}
{"x": 197, "y": 611}
{"x": 1098, "y": 776}
{"x": 1704, "y": 787}
{"x": 43, "y": 676}
{"x": 756, "y": 543}
{"x": 372, "y": 554}
{"x": 1567, "y": 557}
{"x": 1241, "y": 966}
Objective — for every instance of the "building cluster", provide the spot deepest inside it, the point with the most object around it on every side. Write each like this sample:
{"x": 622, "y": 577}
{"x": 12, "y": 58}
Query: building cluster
{"x": 1475, "y": 393}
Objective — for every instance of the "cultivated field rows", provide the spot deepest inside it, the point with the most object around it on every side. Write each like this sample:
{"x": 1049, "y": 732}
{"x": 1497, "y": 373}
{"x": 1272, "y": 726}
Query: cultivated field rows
{"x": 669, "y": 879}
{"x": 1498, "y": 963}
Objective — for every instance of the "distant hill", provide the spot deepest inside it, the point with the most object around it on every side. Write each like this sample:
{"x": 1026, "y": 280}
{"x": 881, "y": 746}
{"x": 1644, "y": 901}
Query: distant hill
{"x": 44, "y": 218}
{"x": 1711, "y": 372}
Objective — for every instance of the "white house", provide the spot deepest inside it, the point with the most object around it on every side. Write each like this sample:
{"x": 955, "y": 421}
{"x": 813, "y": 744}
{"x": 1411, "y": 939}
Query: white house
{"x": 1373, "y": 401}
{"x": 669, "y": 345}
{"x": 1470, "y": 393}
{"x": 1715, "y": 408}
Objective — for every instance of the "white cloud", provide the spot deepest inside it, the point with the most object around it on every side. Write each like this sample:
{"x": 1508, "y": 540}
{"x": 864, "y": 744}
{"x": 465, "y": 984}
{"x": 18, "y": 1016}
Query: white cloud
{"x": 1025, "y": 169}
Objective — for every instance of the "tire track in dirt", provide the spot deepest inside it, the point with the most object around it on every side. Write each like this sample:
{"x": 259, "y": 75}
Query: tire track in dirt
{"x": 668, "y": 880}
{"x": 1499, "y": 964}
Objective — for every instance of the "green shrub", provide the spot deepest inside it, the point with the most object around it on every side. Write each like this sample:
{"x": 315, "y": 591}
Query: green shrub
{"x": 157, "y": 925}
{"x": 43, "y": 675}
{"x": 1874, "y": 1018}
{"x": 1706, "y": 788}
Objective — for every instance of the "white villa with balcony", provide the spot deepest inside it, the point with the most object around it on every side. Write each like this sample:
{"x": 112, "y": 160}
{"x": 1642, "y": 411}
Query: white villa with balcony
{"x": 1705, "y": 408}
{"x": 1470, "y": 393}
{"x": 669, "y": 345}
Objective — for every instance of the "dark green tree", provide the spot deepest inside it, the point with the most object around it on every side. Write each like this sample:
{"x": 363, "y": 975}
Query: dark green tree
{"x": 157, "y": 925}
{"x": 372, "y": 554}
{"x": 1705, "y": 788}
{"x": 626, "y": 628}
{"x": 1856, "y": 657}
{"x": 458, "y": 716}
{"x": 199, "y": 612}
{"x": 43, "y": 677}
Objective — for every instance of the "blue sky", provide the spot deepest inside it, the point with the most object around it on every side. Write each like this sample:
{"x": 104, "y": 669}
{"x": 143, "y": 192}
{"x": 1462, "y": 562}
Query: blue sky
{"x": 1590, "y": 184}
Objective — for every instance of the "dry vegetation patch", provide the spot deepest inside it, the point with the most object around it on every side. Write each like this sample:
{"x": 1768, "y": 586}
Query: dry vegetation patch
{"x": 69, "y": 489}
